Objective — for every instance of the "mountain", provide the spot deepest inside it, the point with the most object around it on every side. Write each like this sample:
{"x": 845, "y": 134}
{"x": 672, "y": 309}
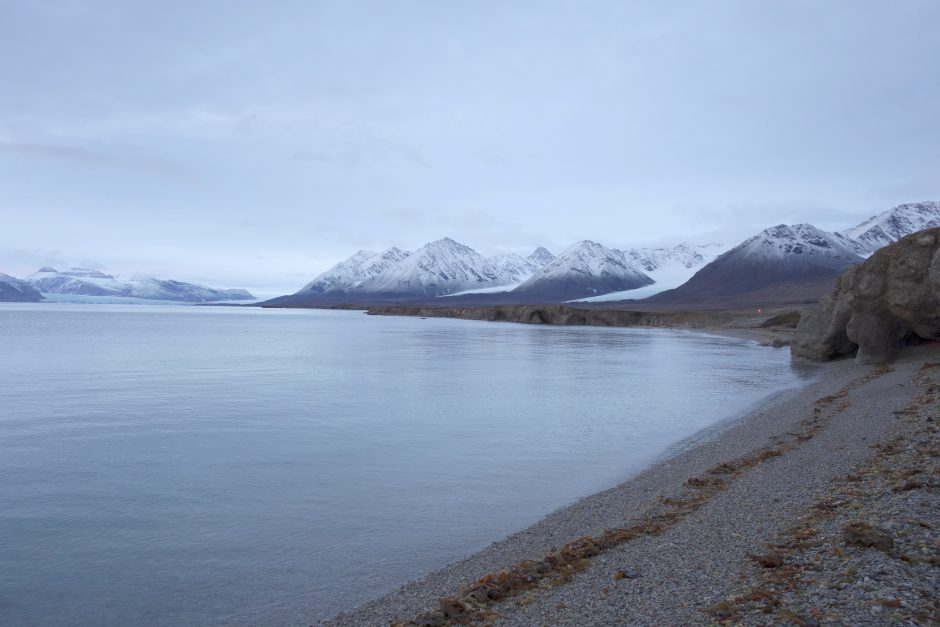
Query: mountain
{"x": 585, "y": 269}
{"x": 682, "y": 255}
{"x": 541, "y": 256}
{"x": 890, "y": 226}
{"x": 668, "y": 267}
{"x": 13, "y": 290}
{"x": 85, "y": 282}
{"x": 159, "y": 289}
{"x": 347, "y": 275}
{"x": 440, "y": 267}
{"x": 76, "y": 281}
{"x": 514, "y": 268}
{"x": 780, "y": 263}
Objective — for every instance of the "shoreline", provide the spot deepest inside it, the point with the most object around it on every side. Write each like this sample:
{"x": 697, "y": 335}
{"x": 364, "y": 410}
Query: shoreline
{"x": 779, "y": 485}
{"x": 772, "y": 327}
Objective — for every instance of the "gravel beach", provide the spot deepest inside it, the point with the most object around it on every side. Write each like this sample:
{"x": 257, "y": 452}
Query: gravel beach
{"x": 728, "y": 529}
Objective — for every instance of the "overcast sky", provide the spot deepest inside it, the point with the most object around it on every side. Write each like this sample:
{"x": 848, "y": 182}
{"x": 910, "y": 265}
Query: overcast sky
{"x": 253, "y": 144}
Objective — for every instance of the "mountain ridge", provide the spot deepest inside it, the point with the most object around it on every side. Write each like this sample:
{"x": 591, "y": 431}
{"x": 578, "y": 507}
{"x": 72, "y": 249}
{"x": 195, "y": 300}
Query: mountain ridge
{"x": 94, "y": 283}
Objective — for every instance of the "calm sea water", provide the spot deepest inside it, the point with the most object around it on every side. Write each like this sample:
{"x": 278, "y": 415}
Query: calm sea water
{"x": 201, "y": 466}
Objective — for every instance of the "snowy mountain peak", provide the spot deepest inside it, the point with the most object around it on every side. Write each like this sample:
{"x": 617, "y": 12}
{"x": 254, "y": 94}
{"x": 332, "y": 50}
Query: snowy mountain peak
{"x": 798, "y": 239}
{"x": 541, "y": 256}
{"x": 585, "y": 269}
{"x": 681, "y": 255}
{"x": 443, "y": 266}
{"x": 512, "y": 268}
{"x": 890, "y": 226}
{"x": 446, "y": 245}
{"x": 349, "y": 274}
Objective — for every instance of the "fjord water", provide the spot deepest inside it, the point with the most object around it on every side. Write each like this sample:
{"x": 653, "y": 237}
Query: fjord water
{"x": 202, "y": 466}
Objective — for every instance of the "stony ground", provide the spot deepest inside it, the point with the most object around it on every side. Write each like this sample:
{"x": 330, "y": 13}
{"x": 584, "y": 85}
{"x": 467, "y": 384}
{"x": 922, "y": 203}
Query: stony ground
{"x": 867, "y": 552}
{"x": 821, "y": 507}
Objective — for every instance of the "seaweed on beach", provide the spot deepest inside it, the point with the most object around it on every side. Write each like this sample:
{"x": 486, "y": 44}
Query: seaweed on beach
{"x": 836, "y": 542}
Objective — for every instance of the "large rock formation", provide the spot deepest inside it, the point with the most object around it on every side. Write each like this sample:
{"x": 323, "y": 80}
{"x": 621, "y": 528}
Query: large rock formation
{"x": 891, "y": 300}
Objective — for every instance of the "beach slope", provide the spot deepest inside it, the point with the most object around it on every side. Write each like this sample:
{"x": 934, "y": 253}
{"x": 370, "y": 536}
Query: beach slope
{"x": 754, "y": 523}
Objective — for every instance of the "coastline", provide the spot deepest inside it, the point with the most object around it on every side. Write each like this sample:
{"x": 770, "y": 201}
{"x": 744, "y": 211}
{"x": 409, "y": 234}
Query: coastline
{"x": 768, "y": 327}
{"x": 678, "y": 572}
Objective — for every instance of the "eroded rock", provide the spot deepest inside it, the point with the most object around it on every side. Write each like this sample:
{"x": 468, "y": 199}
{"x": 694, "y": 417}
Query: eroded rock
{"x": 891, "y": 300}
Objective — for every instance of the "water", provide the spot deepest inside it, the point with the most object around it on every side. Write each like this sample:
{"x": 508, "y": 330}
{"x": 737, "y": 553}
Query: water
{"x": 201, "y": 466}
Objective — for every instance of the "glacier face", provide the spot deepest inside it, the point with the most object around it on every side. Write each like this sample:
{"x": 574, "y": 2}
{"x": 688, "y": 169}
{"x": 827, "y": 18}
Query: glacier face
{"x": 891, "y": 225}
{"x": 85, "y": 282}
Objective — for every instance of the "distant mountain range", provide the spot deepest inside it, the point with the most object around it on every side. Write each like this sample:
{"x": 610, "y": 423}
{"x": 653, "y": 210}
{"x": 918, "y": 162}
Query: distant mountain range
{"x": 439, "y": 268}
{"x": 783, "y": 263}
{"x": 96, "y": 286}
{"x": 446, "y": 269}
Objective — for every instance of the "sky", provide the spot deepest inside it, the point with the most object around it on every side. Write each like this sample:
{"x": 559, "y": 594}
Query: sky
{"x": 253, "y": 144}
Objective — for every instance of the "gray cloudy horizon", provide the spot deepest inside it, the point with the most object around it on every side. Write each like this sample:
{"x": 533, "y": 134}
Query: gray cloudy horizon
{"x": 253, "y": 145}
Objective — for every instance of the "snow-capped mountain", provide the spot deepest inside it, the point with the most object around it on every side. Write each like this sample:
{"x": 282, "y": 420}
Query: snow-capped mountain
{"x": 13, "y": 290}
{"x": 160, "y": 289}
{"x": 585, "y": 269}
{"x": 76, "y": 281}
{"x": 85, "y": 282}
{"x": 347, "y": 275}
{"x": 684, "y": 255}
{"x": 799, "y": 244}
{"x": 890, "y": 226}
{"x": 515, "y": 268}
{"x": 541, "y": 256}
{"x": 440, "y": 267}
{"x": 668, "y": 267}
{"x": 796, "y": 254}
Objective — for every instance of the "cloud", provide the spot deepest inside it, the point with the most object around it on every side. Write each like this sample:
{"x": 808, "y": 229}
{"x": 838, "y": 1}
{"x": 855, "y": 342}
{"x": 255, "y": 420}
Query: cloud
{"x": 92, "y": 158}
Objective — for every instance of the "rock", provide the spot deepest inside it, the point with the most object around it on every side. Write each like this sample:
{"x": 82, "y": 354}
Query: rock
{"x": 891, "y": 300}
{"x": 868, "y": 536}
